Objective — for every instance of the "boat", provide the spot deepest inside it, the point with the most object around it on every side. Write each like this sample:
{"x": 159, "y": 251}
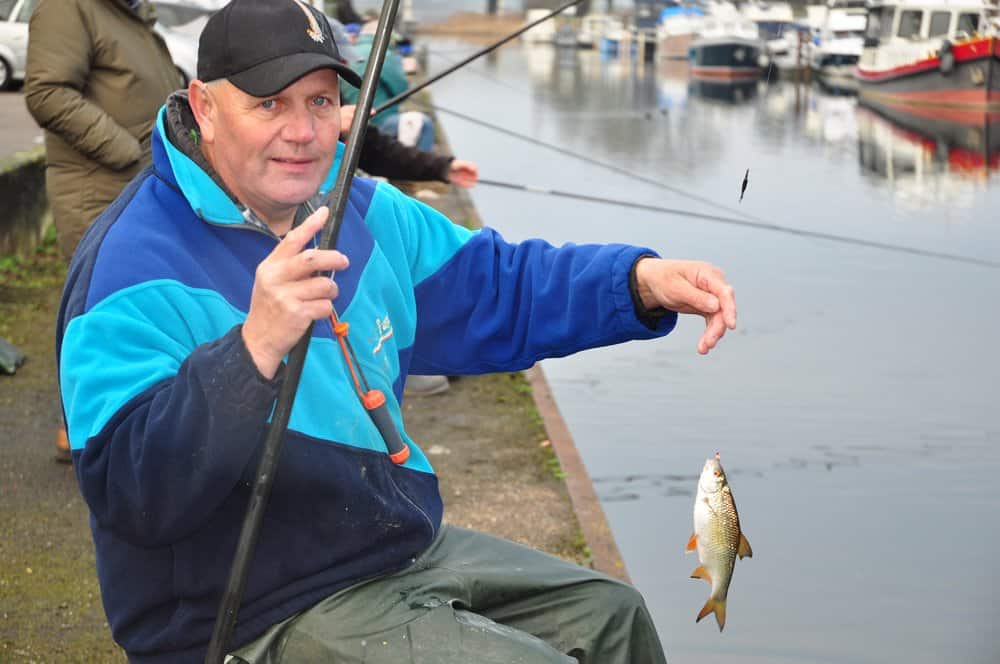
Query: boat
{"x": 642, "y": 28}
{"x": 611, "y": 37}
{"x": 934, "y": 59}
{"x": 675, "y": 30}
{"x": 728, "y": 48}
{"x": 565, "y": 36}
{"x": 838, "y": 45}
{"x": 591, "y": 29}
{"x": 776, "y": 27}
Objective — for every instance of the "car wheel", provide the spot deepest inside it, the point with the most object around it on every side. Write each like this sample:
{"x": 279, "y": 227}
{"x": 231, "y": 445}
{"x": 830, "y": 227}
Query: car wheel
{"x": 5, "y": 74}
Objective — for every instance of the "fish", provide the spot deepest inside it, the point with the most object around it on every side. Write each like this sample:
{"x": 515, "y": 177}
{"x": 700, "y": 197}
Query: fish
{"x": 717, "y": 537}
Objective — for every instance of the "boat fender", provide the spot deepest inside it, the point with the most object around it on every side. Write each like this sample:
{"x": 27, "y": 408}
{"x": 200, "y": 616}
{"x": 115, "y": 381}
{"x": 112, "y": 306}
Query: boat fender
{"x": 946, "y": 57}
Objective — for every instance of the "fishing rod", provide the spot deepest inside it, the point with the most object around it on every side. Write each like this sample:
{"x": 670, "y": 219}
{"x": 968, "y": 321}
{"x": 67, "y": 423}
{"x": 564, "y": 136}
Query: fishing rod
{"x": 481, "y": 52}
{"x": 336, "y": 200}
{"x": 843, "y": 239}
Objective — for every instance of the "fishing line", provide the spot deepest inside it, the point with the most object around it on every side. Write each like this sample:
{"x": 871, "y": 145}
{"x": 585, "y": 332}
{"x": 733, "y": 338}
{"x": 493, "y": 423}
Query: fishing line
{"x": 488, "y": 77}
{"x": 597, "y": 162}
{"x": 742, "y": 222}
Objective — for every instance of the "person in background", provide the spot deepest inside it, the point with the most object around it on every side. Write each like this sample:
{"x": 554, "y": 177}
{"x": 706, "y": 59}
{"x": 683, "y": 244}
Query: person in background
{"x": 346, "y": 14}
{"x": 410, "y": 127}
{"x": 384, "y": 156}
{"x": 96, "y": 74}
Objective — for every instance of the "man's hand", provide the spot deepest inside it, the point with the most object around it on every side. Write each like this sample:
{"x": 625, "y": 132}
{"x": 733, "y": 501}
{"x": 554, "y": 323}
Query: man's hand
{"x": 689, "y": 287}
{"x": 287, "y": 296}
{"x": 463, "y": 173}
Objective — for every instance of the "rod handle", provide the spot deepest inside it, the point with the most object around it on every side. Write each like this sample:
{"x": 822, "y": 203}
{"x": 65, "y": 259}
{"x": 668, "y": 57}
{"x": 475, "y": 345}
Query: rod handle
{"x": 374, "y": 402}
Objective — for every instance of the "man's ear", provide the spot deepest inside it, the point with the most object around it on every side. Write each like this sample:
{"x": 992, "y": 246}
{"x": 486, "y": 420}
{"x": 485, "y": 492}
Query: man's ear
{"x": 203, "y": 105}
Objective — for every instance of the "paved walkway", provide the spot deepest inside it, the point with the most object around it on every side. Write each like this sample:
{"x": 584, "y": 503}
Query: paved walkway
{"x": 18, "y": 130}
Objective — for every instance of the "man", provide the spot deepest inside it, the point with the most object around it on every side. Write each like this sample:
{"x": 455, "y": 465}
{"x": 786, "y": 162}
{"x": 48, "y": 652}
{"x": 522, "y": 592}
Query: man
{"x": 96, "y": 74}
{"x": 181, "y": 304}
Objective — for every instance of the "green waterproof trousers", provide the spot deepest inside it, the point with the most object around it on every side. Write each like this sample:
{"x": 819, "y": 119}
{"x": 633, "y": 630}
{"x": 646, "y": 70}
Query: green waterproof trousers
{"x": 470, "y": 598}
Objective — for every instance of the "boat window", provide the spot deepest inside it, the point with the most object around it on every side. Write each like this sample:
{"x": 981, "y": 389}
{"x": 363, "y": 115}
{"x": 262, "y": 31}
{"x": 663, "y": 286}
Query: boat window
{"x": 940, "y": 21}
{"x": 909, "y": 23}
{"x": 888, "y": 15}
{"x": 879, "y": 25}
{"x": 5, "y": 7}
{"x": 968, "y": 23}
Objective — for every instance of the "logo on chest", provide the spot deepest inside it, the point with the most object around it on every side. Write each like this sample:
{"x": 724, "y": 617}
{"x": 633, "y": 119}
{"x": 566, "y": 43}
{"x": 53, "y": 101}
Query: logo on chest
{"x": 383, "y": 332}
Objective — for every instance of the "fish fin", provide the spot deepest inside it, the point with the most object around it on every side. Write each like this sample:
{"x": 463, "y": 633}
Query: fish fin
{"x": 692, "y": 543}
{"x": 716, "y": 606}
{"x": 701, "y": 573}
{"x": 743, "y": 550}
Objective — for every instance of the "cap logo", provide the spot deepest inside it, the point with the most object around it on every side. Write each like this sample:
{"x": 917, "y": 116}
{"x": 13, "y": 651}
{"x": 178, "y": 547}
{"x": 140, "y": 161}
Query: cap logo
{"x": 313, "y": 30}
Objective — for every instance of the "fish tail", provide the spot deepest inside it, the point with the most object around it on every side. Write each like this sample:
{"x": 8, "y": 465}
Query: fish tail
{"x": 716, "y": 606}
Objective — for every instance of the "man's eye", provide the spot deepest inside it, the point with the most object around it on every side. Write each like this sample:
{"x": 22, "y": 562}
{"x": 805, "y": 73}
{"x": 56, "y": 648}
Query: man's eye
{"x": 268, "y": 104}
{"x": 321, "y": 101}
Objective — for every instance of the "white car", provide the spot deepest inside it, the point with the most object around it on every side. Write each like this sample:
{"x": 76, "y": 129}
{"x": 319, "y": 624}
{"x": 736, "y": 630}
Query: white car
{"x": 14, "y": 15}
{"x": 183, "y": 50}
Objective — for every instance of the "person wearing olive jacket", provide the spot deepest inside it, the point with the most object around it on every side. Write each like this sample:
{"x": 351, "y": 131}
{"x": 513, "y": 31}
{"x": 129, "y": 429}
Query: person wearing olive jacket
{"x": 96, "y": 75}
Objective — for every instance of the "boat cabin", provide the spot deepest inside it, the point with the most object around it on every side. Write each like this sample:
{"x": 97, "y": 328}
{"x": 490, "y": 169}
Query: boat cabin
{"x": 911, "y": 30}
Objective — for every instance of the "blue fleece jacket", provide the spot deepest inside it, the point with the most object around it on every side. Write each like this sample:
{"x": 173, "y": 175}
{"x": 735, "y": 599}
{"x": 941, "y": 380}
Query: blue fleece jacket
{"x": 166, "y": 410}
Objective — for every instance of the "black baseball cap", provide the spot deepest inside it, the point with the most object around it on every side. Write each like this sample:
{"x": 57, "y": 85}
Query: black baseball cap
{"x": 263, "y": 46}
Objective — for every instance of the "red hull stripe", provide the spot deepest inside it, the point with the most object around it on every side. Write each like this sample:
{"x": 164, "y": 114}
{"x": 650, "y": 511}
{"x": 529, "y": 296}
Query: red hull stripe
{"x": 970, "y": 51}
{"x": 729, "y": 73}
{"x": 958, "y": 158}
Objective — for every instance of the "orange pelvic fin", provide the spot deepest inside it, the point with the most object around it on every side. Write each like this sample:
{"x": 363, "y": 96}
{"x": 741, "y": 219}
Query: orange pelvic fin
{"x": 743, "y": 550}
{"x": 692, "y": 543}
{"x": 701, "y": 573}
{"x": 719, "y": 608}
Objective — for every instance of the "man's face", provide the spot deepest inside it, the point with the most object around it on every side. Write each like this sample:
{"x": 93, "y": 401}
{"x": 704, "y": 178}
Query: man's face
{"x": 273, "y": 153}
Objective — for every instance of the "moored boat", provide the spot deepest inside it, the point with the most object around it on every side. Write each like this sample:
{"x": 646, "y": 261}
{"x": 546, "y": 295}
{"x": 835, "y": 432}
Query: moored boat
{"x": 776, "y": 27}
{"x": 591, "y": 29}
{"x": 728, "y": 48}
{"x": 932, "y": 59}
{"x": 839, "y": 43}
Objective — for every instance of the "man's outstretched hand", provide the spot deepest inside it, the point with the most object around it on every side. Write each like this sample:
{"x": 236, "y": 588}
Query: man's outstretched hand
{"x": 689, "y": 287}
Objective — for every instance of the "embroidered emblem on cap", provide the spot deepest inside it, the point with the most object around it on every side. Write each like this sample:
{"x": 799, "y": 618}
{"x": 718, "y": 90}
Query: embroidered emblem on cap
{"x": 313, "y": 30}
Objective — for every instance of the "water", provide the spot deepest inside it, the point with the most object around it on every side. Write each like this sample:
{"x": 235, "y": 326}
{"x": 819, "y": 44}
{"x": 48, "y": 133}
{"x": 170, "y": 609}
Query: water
{"x": 855, "y": 406}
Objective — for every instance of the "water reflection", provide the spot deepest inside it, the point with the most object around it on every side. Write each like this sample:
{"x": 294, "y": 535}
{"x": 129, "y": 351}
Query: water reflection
{"x": 726, "y": 92}
{"x": 928, "y": 159}
{"x": 637, "y": 112}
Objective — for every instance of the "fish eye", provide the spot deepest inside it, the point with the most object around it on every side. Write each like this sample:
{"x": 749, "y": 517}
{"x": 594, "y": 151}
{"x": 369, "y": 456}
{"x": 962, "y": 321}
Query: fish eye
{"x": 718, "y": 474}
